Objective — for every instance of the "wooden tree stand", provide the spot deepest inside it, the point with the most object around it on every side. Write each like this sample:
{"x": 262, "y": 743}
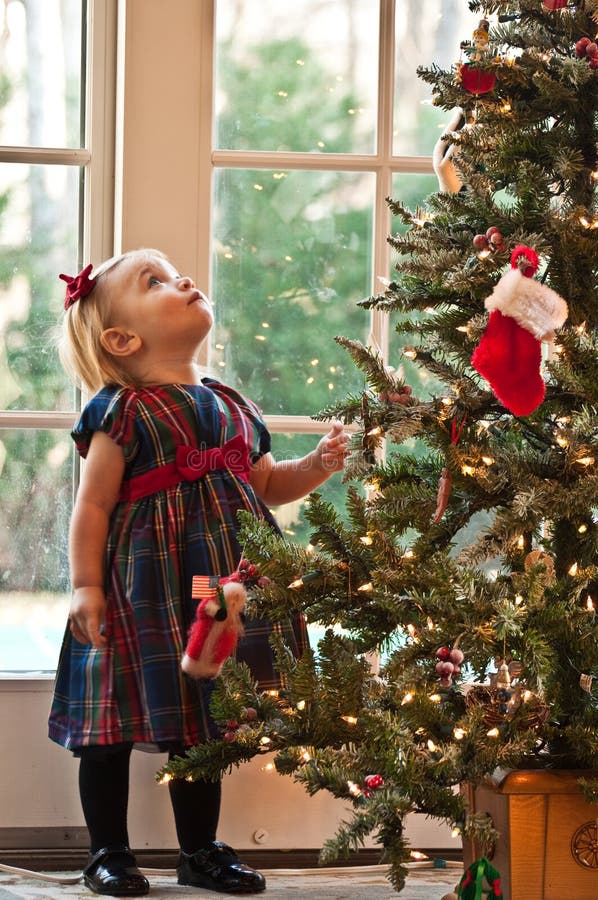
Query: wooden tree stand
{"x": 548, "y": 845}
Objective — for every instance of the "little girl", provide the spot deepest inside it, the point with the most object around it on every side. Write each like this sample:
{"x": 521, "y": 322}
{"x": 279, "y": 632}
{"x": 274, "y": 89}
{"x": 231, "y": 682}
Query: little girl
{"x": 139, "y": 533}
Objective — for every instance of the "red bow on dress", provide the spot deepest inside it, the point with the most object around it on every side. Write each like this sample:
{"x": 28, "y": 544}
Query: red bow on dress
{"x": 234, "y": 456}
{"x": 78, "y": 286}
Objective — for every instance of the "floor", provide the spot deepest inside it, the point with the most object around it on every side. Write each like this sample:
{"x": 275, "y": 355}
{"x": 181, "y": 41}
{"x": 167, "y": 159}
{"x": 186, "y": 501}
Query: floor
{"x": 359, "y": 883}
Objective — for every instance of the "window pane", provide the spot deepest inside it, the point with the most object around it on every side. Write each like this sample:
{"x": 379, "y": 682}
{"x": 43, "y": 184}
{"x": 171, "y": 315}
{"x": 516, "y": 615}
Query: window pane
{"x": 297, "y": 76}
{"x": 38, "y": 239}
{"x": 291, "y": 516}
{"x": 427, "y": 32}
{"x": 411, "y": 190}
{"x": 40, "y": 83}
{"x": 35, "y": 498}
{"x": 292, "y": 256}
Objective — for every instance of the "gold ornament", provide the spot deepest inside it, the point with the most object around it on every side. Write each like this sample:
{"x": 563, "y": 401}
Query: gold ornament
{"x": 523, "y": 706}
{"x": 539, "y": 557}
{"x": 503, "y": 679}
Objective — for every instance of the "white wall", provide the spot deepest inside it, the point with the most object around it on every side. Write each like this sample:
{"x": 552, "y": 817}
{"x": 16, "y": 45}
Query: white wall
{"x": 38, "y": 790}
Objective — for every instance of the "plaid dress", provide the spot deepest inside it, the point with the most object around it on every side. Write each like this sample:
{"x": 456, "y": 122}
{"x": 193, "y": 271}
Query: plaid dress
{"x": 134, "y": 689}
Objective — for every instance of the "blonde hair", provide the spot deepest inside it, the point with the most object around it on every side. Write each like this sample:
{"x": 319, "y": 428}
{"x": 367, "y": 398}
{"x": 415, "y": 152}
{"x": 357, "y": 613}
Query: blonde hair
{"x": 80, "y": 347}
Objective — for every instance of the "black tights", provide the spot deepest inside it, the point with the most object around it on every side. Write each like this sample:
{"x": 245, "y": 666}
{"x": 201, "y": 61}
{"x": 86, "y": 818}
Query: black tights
{"x": 104, "y": 790}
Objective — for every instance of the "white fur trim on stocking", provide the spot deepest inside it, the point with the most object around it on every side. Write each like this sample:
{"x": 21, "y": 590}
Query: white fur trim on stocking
{"x": 534, "y": 306}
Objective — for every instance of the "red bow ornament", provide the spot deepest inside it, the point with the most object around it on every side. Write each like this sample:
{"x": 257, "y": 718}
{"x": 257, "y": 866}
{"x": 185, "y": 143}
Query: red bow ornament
{"x": 78, "y": 286}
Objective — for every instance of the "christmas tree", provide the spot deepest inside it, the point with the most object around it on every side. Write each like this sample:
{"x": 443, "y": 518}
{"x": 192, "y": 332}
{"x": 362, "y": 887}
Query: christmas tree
{"x": 467, "y": 554}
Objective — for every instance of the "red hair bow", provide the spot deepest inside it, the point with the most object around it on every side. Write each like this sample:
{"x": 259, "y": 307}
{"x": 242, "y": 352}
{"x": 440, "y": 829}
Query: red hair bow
{"x": 78, "y": 286}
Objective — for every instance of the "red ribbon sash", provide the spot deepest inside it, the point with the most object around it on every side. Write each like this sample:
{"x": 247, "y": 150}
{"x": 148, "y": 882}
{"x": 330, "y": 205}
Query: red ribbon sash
{"x": 190, "y": 465}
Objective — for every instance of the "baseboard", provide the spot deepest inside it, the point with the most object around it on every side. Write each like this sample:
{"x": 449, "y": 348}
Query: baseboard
{"x": 74, "y": 859}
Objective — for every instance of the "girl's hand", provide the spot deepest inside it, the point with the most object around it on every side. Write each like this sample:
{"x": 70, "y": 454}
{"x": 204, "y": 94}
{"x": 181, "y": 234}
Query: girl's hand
{"x": 332, "y": 449}
{"x": 87, "y": 615}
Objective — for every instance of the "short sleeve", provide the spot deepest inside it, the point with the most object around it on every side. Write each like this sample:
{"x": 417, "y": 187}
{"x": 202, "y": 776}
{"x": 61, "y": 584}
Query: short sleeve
{"x": 243, "y": 417}
{"x": 112, "y": 411}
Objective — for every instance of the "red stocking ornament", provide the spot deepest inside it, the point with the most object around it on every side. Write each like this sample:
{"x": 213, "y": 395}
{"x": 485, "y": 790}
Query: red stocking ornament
{"x": 523, "y": 312}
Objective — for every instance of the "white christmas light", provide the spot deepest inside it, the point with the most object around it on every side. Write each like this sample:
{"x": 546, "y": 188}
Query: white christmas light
{"x": 586, "y": 461}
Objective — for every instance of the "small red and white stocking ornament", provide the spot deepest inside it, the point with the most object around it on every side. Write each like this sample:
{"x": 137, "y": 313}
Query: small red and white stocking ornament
{"x": 523, "y": 313}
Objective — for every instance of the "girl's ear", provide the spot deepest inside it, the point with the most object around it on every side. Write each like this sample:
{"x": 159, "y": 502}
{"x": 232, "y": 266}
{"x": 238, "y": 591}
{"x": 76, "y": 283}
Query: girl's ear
{"x": 120, "y": 342}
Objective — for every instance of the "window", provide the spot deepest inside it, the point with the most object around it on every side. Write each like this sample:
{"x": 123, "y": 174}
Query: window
{"x": 289, "y": 123}
{"x": 318, "y": 117}
{"x": 48, "y": 113}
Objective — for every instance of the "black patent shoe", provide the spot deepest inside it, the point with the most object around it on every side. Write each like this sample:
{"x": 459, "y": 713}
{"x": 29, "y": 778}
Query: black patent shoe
{"x": 114, "y": 871}
{"x": 218, "y": 868}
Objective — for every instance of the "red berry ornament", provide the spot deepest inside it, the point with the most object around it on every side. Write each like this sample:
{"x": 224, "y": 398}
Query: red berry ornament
{"x": 580, "y": 47}
{"x": 373, "y": 782}
{"x": 592, "y": 50}
{"x": 229, "y": 736}
{"x": 480, "y": 242}
{"x": 496, "y": 239}
{"x": 554, "y": 4}
{"x": 443, "y": 653}
{"x": 250, "y": 713}
{"x": 445, "y": 668}
{"x": 457, "y": 656}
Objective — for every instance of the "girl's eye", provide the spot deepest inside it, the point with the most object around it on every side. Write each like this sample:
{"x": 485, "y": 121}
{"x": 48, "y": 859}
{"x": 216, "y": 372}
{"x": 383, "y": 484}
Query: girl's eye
{"x": 153, "y": 280}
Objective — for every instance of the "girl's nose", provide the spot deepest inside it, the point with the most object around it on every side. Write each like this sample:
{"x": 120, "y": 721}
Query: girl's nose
{"x": 185, "y": 283}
